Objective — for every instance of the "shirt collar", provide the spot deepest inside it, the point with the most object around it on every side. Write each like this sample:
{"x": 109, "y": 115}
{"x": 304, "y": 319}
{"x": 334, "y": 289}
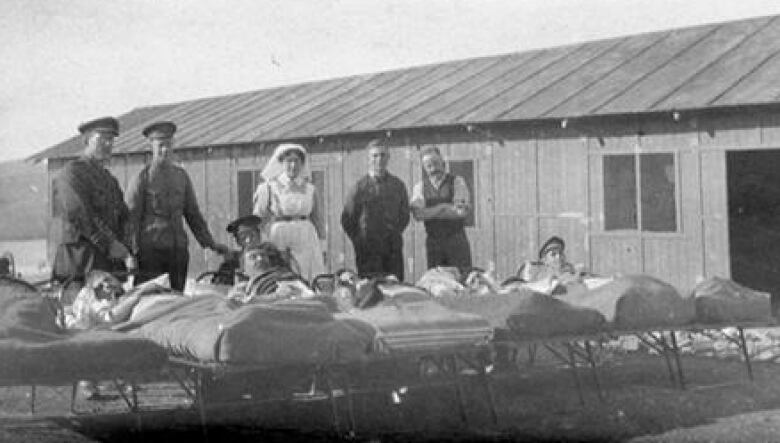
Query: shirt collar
{"x": 377, "y": 177}
{"x": 436, "y": 183}
{"x": 285, "y": 180}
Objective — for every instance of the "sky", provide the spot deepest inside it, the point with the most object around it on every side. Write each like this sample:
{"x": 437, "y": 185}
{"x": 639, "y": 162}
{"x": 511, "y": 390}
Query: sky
{"x": 63, "y": 62}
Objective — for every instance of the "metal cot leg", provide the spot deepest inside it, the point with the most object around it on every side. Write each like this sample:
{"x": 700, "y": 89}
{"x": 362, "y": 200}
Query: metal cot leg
{"x": 676, "y": 351}
{"x": 332, "y": 399}
{"x": 485, "y": 377}
{"x": 594, "y": 369}
{"x": 32, "y": 400}
{"x": 745, "y": 355}
{"x": 573, "y": 364}
{"x": 459, "y": 395}
{"x": 200, "y": 401}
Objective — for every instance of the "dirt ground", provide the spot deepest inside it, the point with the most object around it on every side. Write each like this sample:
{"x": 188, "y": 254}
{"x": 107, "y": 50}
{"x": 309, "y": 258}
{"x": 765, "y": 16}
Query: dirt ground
{"x": 534, "y": 403}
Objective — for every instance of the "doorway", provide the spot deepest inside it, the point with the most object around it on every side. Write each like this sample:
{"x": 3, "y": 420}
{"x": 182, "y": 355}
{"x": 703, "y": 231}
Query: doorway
{"x": 754, "y": 219}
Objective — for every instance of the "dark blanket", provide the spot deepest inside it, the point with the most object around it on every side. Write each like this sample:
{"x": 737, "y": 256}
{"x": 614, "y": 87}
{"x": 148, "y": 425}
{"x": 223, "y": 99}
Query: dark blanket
{"x": 530, "y": 314}
{"x": 25, "y": 314}
{"x": 723, "y": 301}
{"x": 211, "y": 329}
{"x": 83, "y": 355}
{"x": 632, "y": 302}
{"x": 33, "y": 349}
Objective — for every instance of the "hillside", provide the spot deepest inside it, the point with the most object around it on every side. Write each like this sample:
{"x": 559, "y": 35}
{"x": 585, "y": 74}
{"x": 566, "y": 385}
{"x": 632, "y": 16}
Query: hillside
{"x": 23, "y": 200}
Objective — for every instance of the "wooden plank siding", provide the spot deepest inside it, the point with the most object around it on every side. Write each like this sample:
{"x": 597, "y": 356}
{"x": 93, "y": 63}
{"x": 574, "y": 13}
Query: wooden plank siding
{"x": 530, "y": 182}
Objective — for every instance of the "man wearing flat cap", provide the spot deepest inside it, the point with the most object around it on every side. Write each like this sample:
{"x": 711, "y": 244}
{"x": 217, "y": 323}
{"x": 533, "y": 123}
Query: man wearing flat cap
{"x": 88, "y": 206}
{"x": 158, "y": 198}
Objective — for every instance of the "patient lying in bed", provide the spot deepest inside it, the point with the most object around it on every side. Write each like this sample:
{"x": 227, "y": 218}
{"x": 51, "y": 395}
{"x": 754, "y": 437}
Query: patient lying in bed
{"x": 270, "y": 277}
{"x": 102, "y": 301}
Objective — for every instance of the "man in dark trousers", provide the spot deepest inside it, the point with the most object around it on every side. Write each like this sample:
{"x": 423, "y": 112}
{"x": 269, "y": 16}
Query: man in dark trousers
{"x": 158, "y": 198}
{"x": 376, "y": 212}
{"x": 89, "y": 208}
{"x": 441, "y": 201}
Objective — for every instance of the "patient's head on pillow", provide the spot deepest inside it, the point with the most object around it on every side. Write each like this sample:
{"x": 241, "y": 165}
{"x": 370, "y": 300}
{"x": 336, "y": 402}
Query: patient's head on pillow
{"x": 104, "y": 284}
{"x": 262, "y": 257}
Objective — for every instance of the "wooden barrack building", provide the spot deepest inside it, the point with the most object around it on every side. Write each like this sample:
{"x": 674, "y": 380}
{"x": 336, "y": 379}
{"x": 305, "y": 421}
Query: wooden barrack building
{"x": 656, "y": 153}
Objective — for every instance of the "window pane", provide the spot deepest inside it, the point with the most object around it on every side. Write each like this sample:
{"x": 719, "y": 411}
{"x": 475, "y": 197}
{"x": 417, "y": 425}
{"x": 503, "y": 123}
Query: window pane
{"x": 246, "y": 189}
{"x": 465, "y": 169}
{"x": 619, "y": 192}
{"x": 657, "y": 175}
{"x": 318, "y": 180}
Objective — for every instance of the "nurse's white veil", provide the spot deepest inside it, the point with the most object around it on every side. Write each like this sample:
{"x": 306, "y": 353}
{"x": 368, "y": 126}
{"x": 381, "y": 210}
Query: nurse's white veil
{"x": 274, "y": 166}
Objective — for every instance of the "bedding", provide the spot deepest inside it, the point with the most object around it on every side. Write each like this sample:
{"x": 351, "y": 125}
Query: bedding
{"x": 210, "y": 328}
{"x": 409, "y": 323}
{"x": 720, "y": 300}
{"x": 636, "y": 302}
{"x": 33, "y": 348}
{"x": 25, "y": 314}
{"x": 86, "y": 354}
{"x": 530, "y": 314}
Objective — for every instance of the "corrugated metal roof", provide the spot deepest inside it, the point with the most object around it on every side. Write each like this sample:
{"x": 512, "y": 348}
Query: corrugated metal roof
{"x": 726, "y": 64}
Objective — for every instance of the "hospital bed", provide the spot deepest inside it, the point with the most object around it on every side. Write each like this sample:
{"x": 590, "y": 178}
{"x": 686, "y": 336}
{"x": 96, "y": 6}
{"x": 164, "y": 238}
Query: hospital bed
{"x": 36, "y": 352}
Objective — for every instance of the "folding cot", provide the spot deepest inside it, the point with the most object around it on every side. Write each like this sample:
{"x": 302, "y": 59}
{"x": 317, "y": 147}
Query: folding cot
{"x": 216, "y": 346}
{"x": 34, "y": 351}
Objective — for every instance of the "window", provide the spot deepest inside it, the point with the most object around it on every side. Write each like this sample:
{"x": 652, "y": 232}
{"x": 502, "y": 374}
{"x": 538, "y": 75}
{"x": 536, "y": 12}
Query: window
{"x": 465, "y": 169}
{"x": 318, "y": 180}
{"x": 645, "y": 203}
{"x": 247, "y": 183}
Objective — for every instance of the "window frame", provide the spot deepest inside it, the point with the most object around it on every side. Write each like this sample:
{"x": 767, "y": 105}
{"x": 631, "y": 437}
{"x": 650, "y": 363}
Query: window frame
{"x": 471, "y": 221}
{"x": 677, "y": 192}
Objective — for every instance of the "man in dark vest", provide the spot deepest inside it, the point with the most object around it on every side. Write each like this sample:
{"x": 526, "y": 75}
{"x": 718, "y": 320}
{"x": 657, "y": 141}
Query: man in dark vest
{"x": 441, "y": 201}
{"x": 89, "y": 207}
{"x": 375, "y": 214}
{"x": 158, "y": 198}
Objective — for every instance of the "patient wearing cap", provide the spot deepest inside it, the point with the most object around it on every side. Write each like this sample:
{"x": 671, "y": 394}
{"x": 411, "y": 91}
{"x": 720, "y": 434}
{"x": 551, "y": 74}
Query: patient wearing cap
{"x": 551, "y": 270}
{"x": 270, "y": 277}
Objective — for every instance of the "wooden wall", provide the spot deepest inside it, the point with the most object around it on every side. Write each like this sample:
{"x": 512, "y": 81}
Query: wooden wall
{"x": 531, "y": 182}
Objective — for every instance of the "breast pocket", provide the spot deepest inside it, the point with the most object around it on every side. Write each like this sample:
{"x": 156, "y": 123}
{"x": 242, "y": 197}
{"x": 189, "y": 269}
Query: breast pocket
{"x": 157, "y": 201}
{"x": 176, "y": 200}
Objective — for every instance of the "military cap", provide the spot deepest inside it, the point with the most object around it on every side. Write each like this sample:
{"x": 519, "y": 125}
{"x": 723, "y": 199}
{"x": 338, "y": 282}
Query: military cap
{"x": 162, "y": 129}
{"x": 551, "y": 243}
{"x": 247, "y": 220}
{"x": 103, "y": 124}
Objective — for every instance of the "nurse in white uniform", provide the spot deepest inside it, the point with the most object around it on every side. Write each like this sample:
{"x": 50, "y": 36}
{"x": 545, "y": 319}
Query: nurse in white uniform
{"x": 288, "y": 199}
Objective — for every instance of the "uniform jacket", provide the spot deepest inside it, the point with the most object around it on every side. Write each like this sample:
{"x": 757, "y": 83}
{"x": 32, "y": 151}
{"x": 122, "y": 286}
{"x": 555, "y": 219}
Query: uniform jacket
{"x": 88, "y": 205}
{"x": 157, "y": 201}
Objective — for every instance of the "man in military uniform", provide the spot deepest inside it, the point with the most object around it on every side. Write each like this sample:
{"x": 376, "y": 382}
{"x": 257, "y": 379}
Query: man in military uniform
{"x": 158, "y": 198}
{"x": 89, "y": 207}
